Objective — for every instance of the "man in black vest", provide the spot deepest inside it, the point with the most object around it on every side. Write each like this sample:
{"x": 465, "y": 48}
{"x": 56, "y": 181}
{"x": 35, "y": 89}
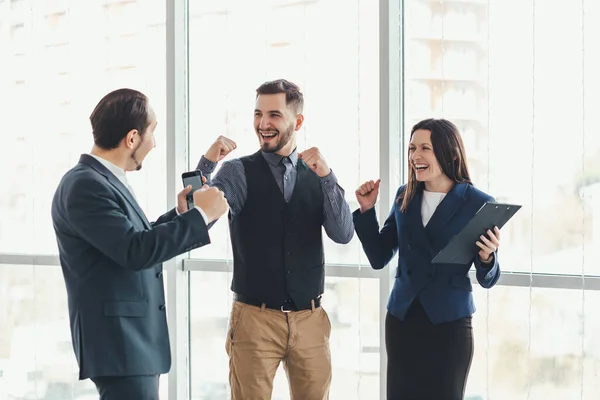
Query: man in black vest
{"x": 279, "y": 201}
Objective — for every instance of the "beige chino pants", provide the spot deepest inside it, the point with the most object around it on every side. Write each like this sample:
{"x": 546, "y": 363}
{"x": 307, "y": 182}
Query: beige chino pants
{"x": 260, "y": 338}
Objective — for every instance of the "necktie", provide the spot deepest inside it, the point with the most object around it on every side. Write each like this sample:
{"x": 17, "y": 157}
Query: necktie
{"x": 287, "y": 182}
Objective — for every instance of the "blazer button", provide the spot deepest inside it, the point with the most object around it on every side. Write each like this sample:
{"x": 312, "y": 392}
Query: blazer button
{"x": 161, "y": 307}
{"x": 158, "y": 275}
{"x": 410, "y": 248}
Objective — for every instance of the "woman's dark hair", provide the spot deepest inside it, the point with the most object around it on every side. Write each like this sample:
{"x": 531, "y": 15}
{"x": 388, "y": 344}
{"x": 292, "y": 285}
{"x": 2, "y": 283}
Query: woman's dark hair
{"x": 116, "y": 114}
{"x": 449, "y": 151}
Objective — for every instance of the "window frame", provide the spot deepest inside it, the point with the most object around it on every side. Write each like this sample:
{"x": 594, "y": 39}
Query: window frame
{"x": 391, "y": 50}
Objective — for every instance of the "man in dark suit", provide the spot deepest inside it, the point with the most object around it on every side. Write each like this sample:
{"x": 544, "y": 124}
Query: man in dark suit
{"x": 112, "y": 257}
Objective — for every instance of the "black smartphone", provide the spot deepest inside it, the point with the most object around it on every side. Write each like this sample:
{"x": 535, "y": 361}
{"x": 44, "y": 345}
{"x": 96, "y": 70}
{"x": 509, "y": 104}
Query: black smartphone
{"x": 193, "y": 178}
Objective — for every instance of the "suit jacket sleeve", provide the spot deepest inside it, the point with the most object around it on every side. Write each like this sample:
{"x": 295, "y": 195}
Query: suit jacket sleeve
{"x": 95, "y": 214}
{"x": 166, "y": 217}
{"x": 487, "y": 274}
{"x": 379, "y": 246}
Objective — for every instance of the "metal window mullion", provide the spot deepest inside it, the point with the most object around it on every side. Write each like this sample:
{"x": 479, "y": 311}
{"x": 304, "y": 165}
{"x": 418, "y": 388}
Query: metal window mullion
{"x": 176, "y": 137}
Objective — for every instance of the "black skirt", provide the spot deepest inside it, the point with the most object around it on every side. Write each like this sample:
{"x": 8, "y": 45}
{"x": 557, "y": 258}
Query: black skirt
{"x": 427, "y": 361}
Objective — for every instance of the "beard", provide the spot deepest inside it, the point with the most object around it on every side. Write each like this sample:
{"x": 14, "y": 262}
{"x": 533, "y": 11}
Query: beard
{"x": 138, "y": 164}
{"x": 282, "y": 137}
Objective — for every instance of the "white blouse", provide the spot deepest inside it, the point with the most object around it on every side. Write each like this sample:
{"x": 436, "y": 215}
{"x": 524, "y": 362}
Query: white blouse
{"x": 431, "y": 200}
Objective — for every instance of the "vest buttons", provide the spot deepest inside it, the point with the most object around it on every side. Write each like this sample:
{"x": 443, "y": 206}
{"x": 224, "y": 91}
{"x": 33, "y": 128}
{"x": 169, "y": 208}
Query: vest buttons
{"x": 289, "y": 271}
{"x": 289, "y": 253}
{"x": 161, "y": 307}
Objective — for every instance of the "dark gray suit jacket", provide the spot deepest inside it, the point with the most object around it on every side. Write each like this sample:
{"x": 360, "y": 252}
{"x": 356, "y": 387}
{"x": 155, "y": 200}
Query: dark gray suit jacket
{"x": 111, "y": 259}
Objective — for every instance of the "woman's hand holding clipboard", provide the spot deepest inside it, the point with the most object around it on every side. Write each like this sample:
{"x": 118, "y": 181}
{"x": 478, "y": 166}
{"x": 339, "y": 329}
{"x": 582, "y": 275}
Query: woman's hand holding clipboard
{"x": 470, "y": 241}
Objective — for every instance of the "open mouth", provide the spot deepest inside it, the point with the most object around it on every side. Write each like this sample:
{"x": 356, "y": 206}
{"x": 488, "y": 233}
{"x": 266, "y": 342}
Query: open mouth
{"x": 421, "y": 167}
{"x": 267, "y": 135}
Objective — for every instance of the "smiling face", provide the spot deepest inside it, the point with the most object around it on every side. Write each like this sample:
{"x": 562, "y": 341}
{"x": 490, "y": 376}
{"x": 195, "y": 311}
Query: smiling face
{"x": 422, "y": 158}
{"x": 275, "y": 124}
{"x": 436, "y": 159}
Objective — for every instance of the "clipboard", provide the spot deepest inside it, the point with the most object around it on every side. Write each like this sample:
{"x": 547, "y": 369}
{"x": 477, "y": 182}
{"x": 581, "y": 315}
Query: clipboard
{"x": 462, "y": 248}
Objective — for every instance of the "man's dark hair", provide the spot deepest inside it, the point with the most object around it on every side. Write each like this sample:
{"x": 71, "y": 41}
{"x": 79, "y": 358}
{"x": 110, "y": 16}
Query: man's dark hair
{"x": 117, "y": 113}
{"x": 293, "y": 96}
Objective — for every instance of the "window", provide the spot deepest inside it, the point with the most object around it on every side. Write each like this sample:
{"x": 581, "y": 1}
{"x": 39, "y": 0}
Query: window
{"x": 123, "y": 17}
{"x": 19, "y": 69}
{"x": 155, "y": 14}
{"x": 57, "y": 58}
{"x": 522, "y": 93}
{"x": 18, "y": 38}
{"x": 42, "y": 117}
{"x": 120, "y": 51}
{"x": 57, "y": 28}
{"x": 36, "y": 355}
{"x": 56, "y": 6}
{"x": 498, "y": 83}
{"x": 539, "y": 342}
{"x": 19, "y": 10}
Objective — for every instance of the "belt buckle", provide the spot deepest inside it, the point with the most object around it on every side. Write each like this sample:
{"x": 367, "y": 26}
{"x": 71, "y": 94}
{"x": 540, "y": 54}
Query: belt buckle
{"x": 285, "y": 310}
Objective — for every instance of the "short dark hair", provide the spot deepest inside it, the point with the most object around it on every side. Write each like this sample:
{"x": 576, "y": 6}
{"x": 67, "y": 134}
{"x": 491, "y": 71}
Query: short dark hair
{"x": 293, "y": 96}
{"x": 117, "y": 113}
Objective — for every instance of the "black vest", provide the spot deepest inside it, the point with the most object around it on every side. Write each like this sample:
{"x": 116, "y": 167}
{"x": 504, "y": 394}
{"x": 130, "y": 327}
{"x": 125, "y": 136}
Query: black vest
{"x": 277, "y": 246}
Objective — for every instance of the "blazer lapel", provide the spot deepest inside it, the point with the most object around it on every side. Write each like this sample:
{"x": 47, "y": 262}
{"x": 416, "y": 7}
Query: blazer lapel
{"x": 417, "y": 231}
{"x": 446, "y": 209}
{"x": 92, "y": 162}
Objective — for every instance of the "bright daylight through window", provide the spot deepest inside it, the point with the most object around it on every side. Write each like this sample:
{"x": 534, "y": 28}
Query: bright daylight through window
{"x": 522, "y": 93}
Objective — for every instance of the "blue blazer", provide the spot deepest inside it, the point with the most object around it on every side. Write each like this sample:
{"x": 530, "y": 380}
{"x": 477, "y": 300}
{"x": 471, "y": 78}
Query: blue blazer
{"x": 444, "y": 290}
{"x": 111, "y": 259}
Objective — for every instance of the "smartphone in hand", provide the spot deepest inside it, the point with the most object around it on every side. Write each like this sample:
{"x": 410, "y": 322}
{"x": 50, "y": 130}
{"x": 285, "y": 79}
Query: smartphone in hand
{"x": 195, "y": 179}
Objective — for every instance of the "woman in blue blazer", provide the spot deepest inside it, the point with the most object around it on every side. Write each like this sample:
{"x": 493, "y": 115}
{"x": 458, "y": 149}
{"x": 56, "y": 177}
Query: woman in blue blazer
{"x": 428, "y": 333}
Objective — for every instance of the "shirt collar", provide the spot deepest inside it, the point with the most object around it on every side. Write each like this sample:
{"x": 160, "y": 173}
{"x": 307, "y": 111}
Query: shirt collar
{"x": 116, "y": 171}
{"x": 274, "y": 159}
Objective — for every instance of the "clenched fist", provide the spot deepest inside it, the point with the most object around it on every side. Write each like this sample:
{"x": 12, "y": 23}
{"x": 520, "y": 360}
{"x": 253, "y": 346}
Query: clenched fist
{"x": 219, "y": 149}
{"x": 212, "y": 201}
{"x": 366, "y": 194}
{"x": 315, "y": 161}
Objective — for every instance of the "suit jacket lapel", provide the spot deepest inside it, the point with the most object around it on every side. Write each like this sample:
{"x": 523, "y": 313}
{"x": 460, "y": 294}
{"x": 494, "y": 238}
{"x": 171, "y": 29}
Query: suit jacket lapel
{"x": 92, "y": 162}
{"x": 417, "y": 231}
{"x": 446, "y": 209}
